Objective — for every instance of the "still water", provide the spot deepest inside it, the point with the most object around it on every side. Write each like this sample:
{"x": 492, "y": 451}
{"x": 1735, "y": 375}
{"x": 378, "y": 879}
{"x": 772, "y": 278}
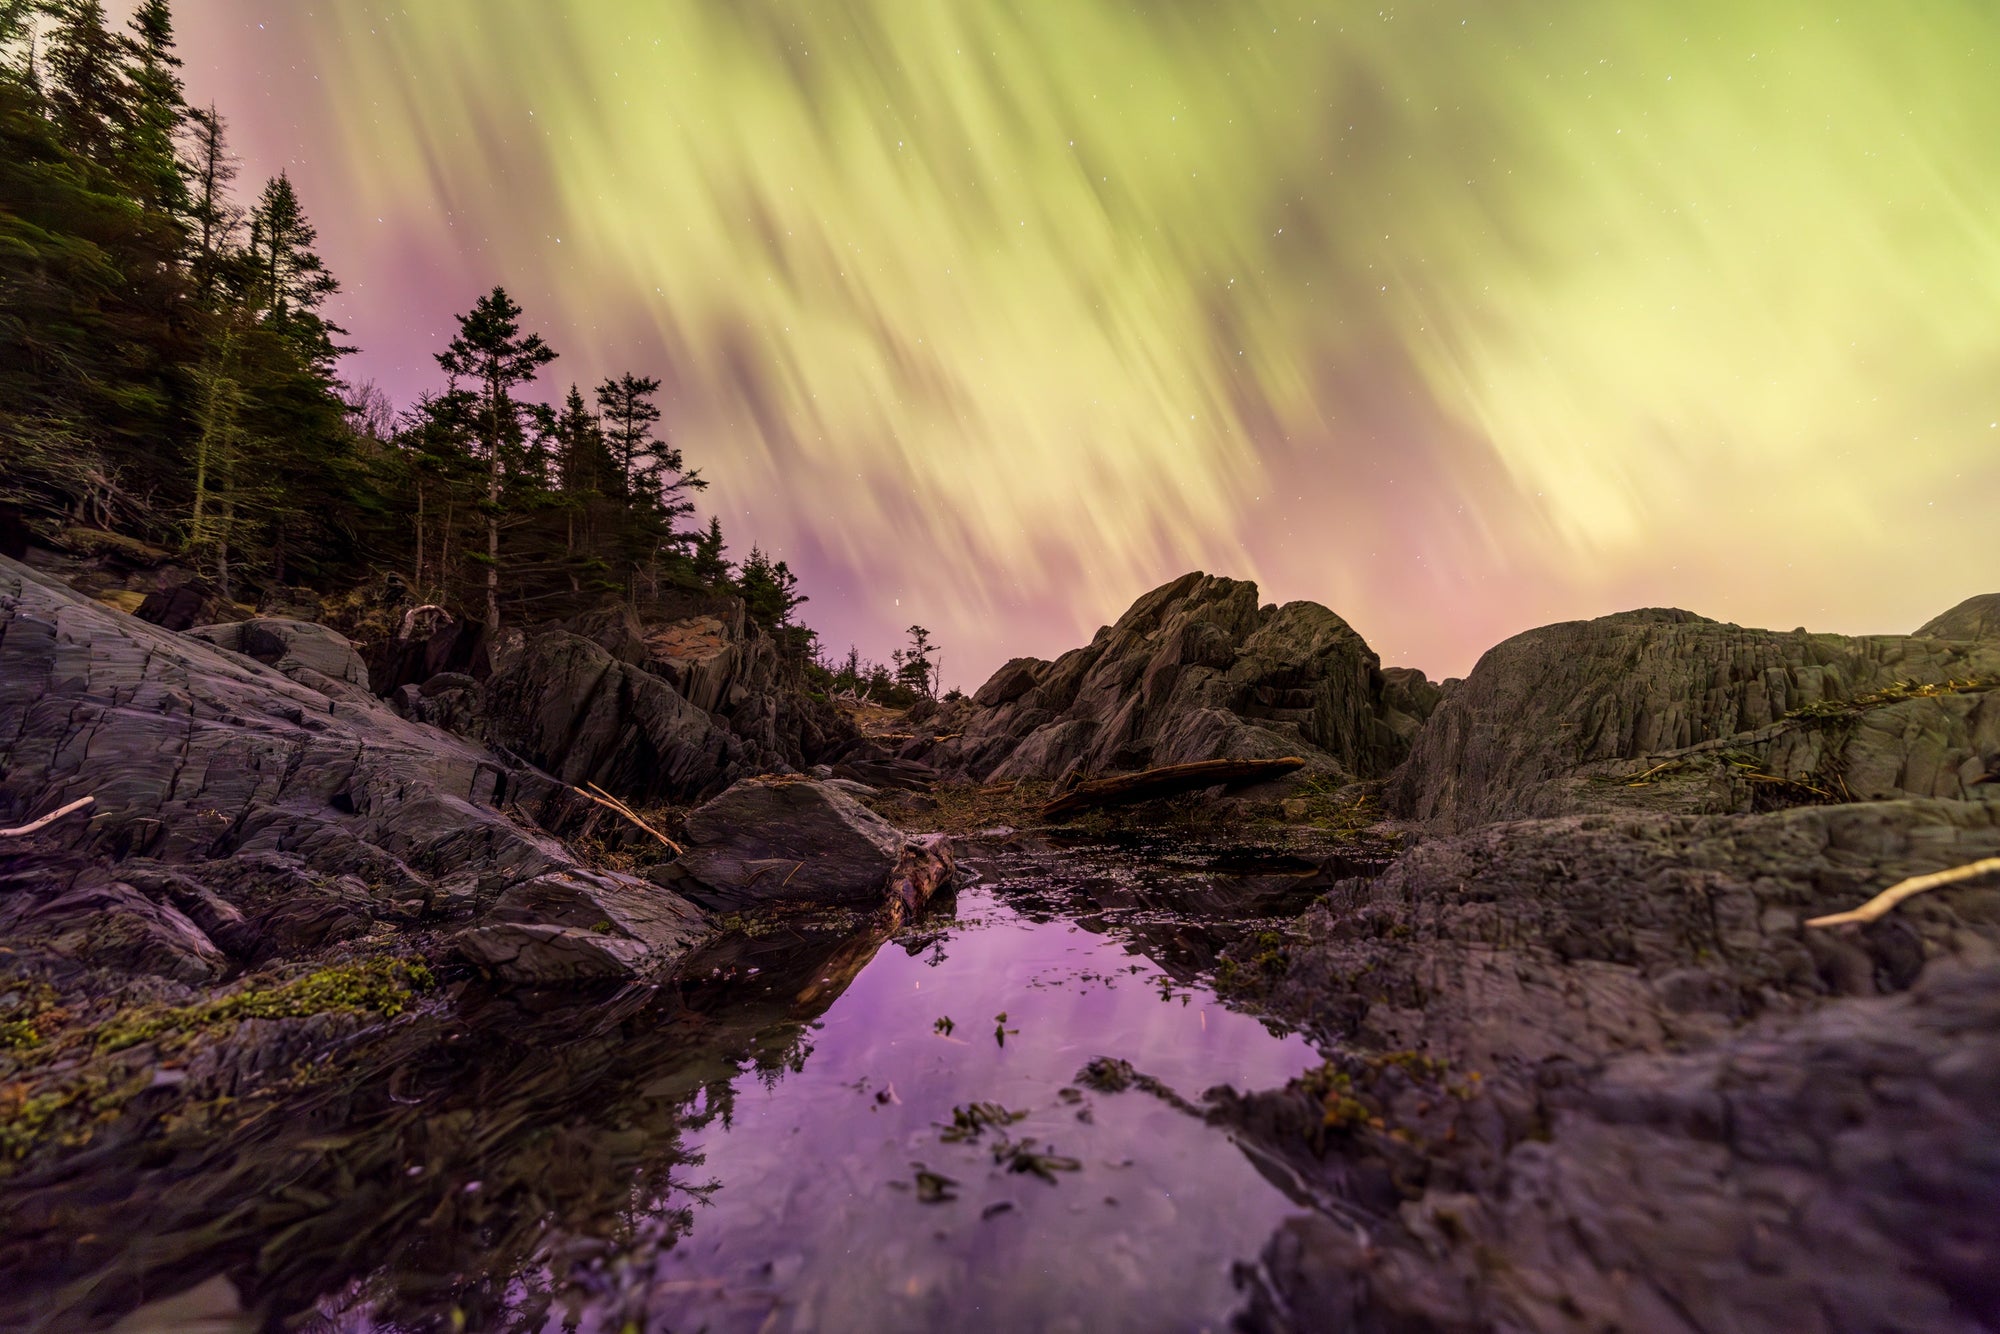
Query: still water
{"x": 817, "y": 1133}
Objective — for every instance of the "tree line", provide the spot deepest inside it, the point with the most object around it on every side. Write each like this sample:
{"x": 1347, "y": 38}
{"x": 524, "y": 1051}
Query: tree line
{"x": 168, "y": 373}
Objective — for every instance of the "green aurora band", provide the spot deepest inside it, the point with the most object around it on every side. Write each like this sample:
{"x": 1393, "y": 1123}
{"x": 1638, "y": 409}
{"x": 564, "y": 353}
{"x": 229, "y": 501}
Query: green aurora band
{"x": 1457, "y": 317}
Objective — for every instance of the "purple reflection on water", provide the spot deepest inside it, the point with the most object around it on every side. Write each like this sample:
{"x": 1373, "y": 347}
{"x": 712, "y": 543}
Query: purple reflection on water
{"x": 817, "y": 1224}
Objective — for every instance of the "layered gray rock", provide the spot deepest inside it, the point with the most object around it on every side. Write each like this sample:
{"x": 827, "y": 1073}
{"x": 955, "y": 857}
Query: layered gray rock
{"x": 1195, "y": 670}
{"x": 787, "y": 839}
{"x": 240, "y": 815}
{"x": 1565, "y": 717}
{"x": 1595, "y": 1071}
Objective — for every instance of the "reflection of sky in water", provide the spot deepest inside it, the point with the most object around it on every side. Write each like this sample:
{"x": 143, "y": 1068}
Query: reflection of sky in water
{"x": 806, "y": 1210}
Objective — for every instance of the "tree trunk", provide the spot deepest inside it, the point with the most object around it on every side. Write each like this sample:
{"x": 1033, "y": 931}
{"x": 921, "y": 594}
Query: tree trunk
{"x": 1126, "y": 789}
{"x": 495, "y": 476}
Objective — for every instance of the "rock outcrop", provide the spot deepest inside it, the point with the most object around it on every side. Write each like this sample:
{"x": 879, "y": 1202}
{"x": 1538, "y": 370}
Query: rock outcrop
{"x": 1705, "y": 716}
{"x": 652, "y": 710}
{"x": 1594, "y": 1072}
{"x": 1195, "y": 670}
{"x": 1974, "y": 618}
{"x": 243, "y": 815}
{"x": 792, "y": 840}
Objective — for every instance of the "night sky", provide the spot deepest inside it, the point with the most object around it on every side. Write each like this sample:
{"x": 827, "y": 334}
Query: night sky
{"x": 1459, "y": 317}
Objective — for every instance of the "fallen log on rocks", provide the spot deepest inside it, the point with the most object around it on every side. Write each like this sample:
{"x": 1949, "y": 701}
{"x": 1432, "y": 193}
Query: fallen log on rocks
{"x": 925, "y": 866}
{"x": 1126, "y": 789}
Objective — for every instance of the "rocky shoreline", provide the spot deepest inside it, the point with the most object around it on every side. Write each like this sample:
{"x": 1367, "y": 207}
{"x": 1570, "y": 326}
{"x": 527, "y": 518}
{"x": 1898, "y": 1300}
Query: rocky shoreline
{"x": 1588, "y": 1067}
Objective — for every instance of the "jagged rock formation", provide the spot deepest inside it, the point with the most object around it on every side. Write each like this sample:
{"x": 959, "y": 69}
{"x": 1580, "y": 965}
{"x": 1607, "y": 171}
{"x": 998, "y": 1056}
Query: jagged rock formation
{"x": 1689, "y": 1112}
{"x": 648, "y": 709}
{"x": 242, "y": 815}
{"x": 1562, "y": 717}
{"x": 1195, "y": 670}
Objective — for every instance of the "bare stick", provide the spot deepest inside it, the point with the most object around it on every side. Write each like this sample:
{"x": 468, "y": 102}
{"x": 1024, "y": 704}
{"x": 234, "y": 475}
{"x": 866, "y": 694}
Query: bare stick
{"x": 611, "y": 803}
{"x": 1907, "y": 889}
{"x": 48, "y": 819}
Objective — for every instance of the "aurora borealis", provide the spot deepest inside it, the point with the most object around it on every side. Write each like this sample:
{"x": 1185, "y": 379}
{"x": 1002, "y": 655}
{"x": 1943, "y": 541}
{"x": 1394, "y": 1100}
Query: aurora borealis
{"x": 1458, "y": 317}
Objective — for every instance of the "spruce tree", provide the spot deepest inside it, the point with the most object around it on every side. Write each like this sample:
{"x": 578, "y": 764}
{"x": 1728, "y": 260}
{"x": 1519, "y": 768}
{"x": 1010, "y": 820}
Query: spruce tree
{"x": 151, "y": 157}
{"x": 88, "y": 97}
{"x": 491, "y": 351}
{"x": 709, "y": 563}
{"x": 289, "y": 282}
{"x": 629, "y": 416}
{"x": 213, "y": 219}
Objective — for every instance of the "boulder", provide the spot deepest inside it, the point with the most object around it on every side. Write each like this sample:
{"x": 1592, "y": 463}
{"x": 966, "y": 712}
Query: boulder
{"x": 790, "y": 840}
{"x": 539, "y": 954}
{"x": 1194, "y": 670}
{"x": 309, "y": 654}
{"x": 184, "y": 605}
{"x": 1015, "y": 679}
{"x": 1704, "y": 716}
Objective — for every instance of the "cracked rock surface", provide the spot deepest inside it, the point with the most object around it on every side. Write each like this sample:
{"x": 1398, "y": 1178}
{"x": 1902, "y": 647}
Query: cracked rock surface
{"x": 243, "y": 813}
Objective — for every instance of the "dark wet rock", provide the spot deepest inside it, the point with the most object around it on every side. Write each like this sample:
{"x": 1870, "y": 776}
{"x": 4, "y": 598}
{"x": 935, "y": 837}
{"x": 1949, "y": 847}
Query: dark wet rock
{"x": 264, "y": 817}
{"x": 1582, "y": 936}
{"x": 542, "y": 954}
{"x": 1974, "y": 618}
{"x": 185, "y": 604}
{"x": 99, "y": 922}
{"x": 1563, "y": 717}
{"x": 786, "y": 840}
{"x": 1195, "y": 670}
{"x": 1595, "y": 1069}
{"x": 1829, "y": 1175}
{"x": 579, "y": 925}
{"x": 309, "y": 654}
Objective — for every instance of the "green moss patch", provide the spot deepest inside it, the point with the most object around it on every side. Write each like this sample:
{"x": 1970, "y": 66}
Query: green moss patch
{"x": 380, "y": 986}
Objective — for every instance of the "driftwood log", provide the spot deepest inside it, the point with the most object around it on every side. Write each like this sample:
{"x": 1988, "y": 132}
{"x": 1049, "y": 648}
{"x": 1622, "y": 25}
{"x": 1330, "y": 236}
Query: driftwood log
{"x": 925, "y": 867}
{"x": 1125, "y": 789}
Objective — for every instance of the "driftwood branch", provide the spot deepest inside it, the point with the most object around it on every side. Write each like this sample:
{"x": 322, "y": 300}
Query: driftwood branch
{"x": 1147, "y": 784}
{"x": 48, "y": 819}
{"x": 611, "y": 803}
{"x": 1908, "y": 889}
{"x": 410, "y": 618}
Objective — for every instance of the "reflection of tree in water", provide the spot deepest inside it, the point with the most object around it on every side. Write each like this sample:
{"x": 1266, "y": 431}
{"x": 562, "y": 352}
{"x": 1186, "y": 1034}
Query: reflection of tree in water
{"x": 496, "y": 1164}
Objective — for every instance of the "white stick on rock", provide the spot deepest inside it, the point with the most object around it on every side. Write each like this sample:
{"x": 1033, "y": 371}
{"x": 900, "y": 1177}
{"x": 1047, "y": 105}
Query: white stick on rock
{"x": 1905, "y": 889}
{"x": 48, "y": 819}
